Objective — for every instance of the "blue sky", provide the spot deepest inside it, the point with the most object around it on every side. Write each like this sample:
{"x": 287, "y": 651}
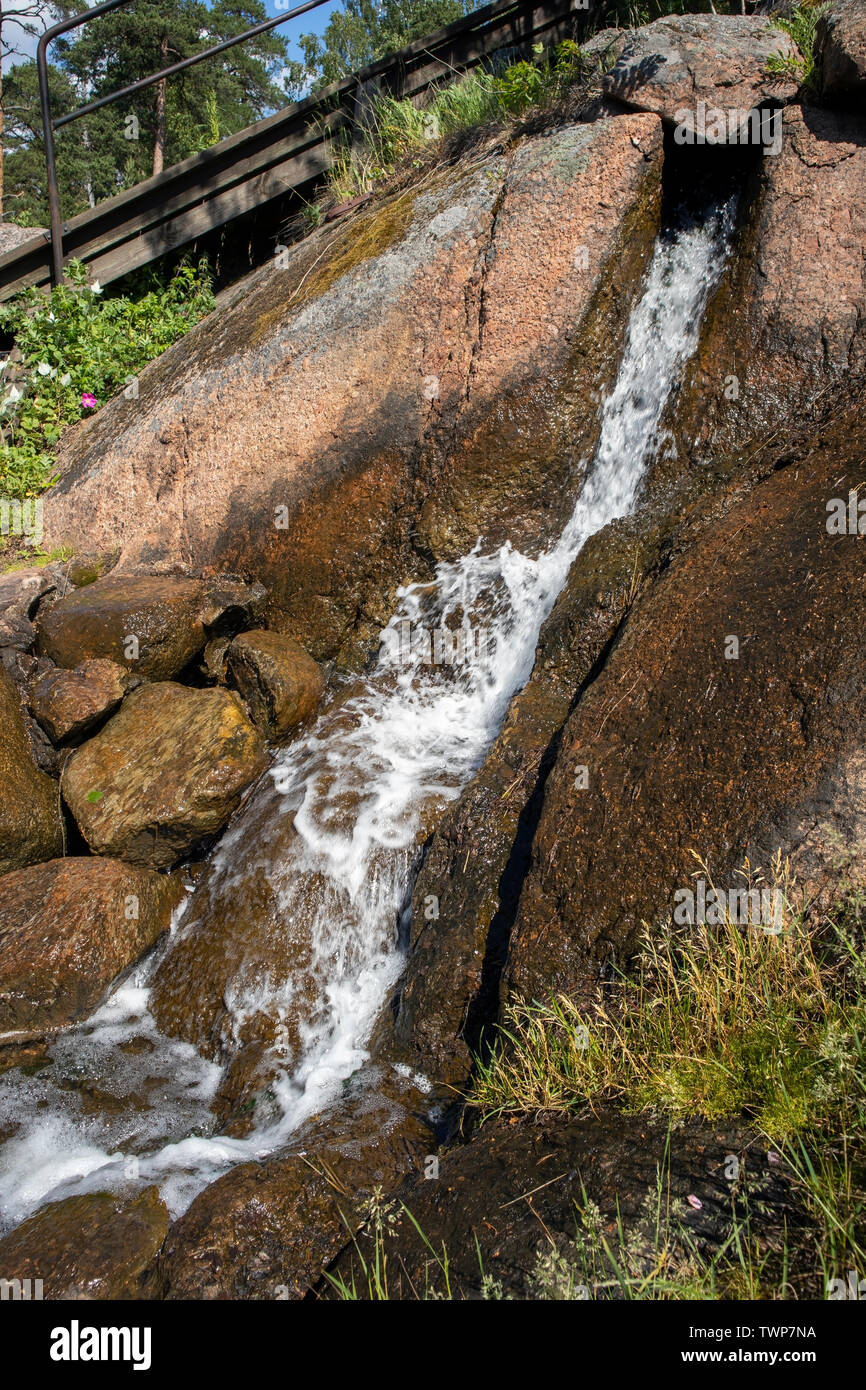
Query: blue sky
{"x": 312, "y": 23}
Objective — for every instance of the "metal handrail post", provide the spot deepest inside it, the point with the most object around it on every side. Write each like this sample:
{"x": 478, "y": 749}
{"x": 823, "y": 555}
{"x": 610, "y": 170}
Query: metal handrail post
{"x": 49, "y": 126}
{"x": 56, "y": 221}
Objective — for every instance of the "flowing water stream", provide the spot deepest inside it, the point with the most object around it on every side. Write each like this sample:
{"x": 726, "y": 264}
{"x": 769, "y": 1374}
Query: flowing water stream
{"x": 121, "y": 1102}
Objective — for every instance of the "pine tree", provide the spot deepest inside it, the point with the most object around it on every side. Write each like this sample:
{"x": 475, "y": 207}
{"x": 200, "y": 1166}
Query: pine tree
{"x": 117, "y": 146}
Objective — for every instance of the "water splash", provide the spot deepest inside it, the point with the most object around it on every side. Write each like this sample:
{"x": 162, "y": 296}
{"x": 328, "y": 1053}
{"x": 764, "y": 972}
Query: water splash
{"x": 364, "y": 787}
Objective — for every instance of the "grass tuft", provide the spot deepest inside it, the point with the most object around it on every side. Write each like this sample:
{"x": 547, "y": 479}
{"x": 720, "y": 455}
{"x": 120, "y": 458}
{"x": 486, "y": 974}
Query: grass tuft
{"x": 721, "y": 1022}
{"x": 398, "y": 131}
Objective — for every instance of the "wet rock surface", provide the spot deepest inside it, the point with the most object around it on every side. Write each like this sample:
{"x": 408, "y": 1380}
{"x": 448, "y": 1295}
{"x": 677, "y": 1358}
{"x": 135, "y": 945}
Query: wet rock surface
{"x": 68, "y": 928}
{"x": 280, "y": 683}
{"x": 69, "y": 704}
{"x": 31, "y": 825}
{"x": 154, "y": 625}
{"x": 100, "y": 1246}
{"x": 785, "y": 327}
{"x": 237, "y": 940}
{"x": 166, "y": 772}
{"x": 474, "y": 866}
{"x": 150, "y": 624}
{"x": 267, "y": 1230}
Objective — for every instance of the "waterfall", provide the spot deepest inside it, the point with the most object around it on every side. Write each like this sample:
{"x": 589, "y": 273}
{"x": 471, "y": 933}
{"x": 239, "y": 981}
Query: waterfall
{"x": 364, "y": 785}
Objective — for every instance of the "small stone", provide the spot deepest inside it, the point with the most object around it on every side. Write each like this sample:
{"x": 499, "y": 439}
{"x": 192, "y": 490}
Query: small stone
{"x": 214, "y": 659}
{"x": 280, "y": 682}
{"x": 68, "y": 704}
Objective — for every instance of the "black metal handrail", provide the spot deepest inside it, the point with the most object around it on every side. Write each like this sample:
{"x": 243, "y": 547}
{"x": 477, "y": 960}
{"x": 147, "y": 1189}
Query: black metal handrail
{"x": 49, "y": 125}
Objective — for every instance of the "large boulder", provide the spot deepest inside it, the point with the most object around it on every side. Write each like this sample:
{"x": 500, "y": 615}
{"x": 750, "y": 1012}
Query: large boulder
{"x": 68, "y": 704}
{"x": 151, "y": 625}
{"x": 841, "y": 45}
{"x": 522, "y": 1210}
{"x": 165, "y": 773}
{"x": 728, "y": 722}
{"x": 31, "y": 822}
{"x": 507, "y": 467}
{"x": 299, "y": 433}
{"x": 97, "y": 1246}
{"x": 68, "y": 928}
{"x": 668, "y": 67}
{"x": 154, "y": 625}
{"x": 786, "y": 325}
{"x": 279, "y": 681}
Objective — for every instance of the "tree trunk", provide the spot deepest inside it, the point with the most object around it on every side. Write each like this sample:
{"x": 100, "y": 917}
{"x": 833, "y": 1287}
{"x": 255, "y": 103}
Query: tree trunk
{"x": 159, "y": 142}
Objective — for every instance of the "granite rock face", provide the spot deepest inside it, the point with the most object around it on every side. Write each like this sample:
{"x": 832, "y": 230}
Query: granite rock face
{"x": 379, "y": 401}
{"x": 786, "y": 326}
{"x": 727, "y": 721}
{"x": 841, "y": 45}
{"x": 679, "y": 61}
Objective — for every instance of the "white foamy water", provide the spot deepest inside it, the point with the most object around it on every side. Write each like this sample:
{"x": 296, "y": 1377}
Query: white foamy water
{"x": 364, "y": 786}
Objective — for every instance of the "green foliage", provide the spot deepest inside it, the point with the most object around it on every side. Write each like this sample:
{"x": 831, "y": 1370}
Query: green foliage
{"x": 363, "y": 30}
{"x": 802, "y": 27}
{"x": 655, "y": 1257}
{"x": 79, "y": 348}
{"x": 717, "y": 1022}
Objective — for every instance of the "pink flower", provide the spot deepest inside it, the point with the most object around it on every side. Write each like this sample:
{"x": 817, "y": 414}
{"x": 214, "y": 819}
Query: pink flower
{"x": 88, "y": 401}
{"x": 694, "y": 1201}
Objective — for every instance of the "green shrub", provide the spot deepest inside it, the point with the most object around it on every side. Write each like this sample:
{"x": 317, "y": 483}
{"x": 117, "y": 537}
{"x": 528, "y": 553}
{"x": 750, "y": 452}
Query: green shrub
{"x": 79, "y": 348}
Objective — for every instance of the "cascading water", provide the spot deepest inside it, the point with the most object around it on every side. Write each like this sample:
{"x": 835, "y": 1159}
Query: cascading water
{"x": 364, "y": 786}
